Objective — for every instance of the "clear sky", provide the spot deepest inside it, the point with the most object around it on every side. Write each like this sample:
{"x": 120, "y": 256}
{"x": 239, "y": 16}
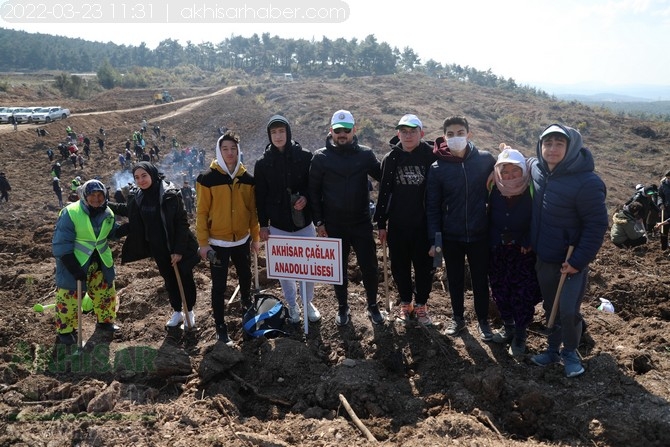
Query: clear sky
{"x": 535, "y": 42}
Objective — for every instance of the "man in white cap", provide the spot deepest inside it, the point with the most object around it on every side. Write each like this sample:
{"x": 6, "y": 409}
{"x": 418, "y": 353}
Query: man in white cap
{"x": 568, "y": 211}
{"x": 401, "y": 205}
{"x": 340, "y": 202}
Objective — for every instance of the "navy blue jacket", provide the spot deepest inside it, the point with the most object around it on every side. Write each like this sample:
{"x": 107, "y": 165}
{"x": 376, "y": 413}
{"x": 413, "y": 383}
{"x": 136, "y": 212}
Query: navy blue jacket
{"x": 457, "y": 196}
{"x": 568, "y": 206}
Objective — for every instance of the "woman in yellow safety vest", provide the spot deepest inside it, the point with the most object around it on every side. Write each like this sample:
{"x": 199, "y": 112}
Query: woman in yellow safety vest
{"x": 80, "y": 246}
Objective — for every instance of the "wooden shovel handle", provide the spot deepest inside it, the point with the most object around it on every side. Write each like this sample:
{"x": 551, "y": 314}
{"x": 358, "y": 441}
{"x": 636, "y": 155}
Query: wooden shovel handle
{"x": 554, "y": 308}
{"x": 184, "y": 306}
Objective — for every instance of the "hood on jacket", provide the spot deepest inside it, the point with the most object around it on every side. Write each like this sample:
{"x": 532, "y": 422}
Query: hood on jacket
{"x": 278, "y": 119}
{"x": 577, "y": 157}
{"x": 219, "y": 157}
{"x": 622, "y": 217}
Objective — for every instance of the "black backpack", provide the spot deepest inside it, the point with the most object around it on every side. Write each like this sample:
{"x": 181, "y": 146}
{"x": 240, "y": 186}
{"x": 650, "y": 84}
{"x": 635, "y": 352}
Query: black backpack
{"x": 266, "y": 317}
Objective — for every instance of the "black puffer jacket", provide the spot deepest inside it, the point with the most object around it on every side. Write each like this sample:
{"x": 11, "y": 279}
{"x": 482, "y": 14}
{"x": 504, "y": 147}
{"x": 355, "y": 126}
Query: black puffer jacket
{"x": 175, "y": 225}
{"x": 279, "y": 174}
{"x": 338, "y": 183}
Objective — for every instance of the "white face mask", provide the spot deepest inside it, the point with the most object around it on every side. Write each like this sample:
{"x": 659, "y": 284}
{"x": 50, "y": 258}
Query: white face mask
{"x": 457, "y": 144}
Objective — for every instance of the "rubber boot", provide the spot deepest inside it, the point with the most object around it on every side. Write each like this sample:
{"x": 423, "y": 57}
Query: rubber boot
{"x": 518, "y": 346}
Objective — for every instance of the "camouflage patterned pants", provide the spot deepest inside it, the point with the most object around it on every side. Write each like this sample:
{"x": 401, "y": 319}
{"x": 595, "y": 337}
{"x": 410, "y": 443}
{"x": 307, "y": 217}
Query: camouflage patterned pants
{"x": 102, "y": 294}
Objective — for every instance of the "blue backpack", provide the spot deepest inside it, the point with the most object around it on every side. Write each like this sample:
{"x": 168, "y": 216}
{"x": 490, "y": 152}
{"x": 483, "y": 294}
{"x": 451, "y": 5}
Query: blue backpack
{"x": 266, "y": 317}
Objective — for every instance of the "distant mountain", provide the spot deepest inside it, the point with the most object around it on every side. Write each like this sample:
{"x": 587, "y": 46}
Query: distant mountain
{"x": 602, "y": 92}
{"x": 601, "y": 97}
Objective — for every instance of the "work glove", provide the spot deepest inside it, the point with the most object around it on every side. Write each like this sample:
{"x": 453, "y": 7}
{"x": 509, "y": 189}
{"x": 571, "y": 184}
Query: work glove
{"x": 72, "y": 266}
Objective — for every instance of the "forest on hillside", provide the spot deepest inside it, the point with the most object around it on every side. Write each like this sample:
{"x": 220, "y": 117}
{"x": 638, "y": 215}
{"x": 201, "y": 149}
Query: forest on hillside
{"x": 255, "y": 55}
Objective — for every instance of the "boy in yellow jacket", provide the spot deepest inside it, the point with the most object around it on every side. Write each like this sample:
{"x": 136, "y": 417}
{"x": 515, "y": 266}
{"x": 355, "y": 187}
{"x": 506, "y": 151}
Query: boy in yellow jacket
{"x": 227, "y": 224}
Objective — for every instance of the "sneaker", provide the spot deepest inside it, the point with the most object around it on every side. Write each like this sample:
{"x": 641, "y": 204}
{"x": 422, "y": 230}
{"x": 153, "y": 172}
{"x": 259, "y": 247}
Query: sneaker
{"x": 546, "y": 358}
{"x": 222, "y": 335}
{"x": 504, "y": 335}
{"x": 485, "y": 330}
{"x": 406, "y": 310}
{"x": 517, "y": 348}
{"x": 375, "y": 315}
{"x": 313, "y": 314}
{"x": 68, "y": 339}
{"x": 191, "y": 319}
{"x": 107, "y": 327}
{"x": 294, "y": 314}
{"x": 342, "y": 318}
{"x": 422, "y": 316}
{"x": 572, "y": 363}
{"x": 175, "y": 320}
{"x": 456, "y": 325}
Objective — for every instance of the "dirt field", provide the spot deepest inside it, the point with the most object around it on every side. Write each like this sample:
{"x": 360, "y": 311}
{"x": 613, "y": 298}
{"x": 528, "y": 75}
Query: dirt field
{"x": 410, "y": 386}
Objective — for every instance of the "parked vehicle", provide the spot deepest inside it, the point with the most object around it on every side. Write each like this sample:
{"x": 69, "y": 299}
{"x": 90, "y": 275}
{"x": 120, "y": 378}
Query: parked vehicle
{"x": 7, "y": 116}
{"x": 24, "y": 115}
{"x": 54, "y": 113}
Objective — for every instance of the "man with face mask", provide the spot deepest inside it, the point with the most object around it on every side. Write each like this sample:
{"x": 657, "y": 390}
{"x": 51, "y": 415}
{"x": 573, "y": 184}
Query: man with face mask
{"x": 456, "y": 207}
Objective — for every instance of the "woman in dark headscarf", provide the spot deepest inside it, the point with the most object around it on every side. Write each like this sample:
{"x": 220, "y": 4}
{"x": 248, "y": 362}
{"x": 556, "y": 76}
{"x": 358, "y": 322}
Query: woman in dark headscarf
{"x": 158, "y": 227}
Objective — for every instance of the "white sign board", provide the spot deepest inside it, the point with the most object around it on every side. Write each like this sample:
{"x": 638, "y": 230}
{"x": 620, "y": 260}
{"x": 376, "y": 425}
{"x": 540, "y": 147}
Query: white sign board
{"x": 313, "y": 259}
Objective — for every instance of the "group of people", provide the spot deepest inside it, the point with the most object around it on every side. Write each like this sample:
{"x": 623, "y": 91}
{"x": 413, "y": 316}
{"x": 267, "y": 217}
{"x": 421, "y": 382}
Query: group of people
{"x": 522, "y": 224}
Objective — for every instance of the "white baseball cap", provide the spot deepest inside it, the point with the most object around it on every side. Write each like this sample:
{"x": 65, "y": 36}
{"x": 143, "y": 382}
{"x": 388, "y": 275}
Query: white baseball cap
{"x": 554, "y": 128}
{"x": 409, "y": 120}
{"x": 342, "y": 119}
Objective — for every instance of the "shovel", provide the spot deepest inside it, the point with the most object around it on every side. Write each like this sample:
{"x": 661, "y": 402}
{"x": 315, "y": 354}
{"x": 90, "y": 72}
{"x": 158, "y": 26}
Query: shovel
{"x": 80, "y": 317}
{"x": 554, "y": 309}
{"x": 386, "y": 278}
{"x": 184, "y": 306}
{"x": 256, "y": 282}
{"x": 664, "y": 232}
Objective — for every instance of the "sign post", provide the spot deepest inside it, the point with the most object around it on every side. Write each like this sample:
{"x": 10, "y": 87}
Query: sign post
{"x": 305, "y": 259}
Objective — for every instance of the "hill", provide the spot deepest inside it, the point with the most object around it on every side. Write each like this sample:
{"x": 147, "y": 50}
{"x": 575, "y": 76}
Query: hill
{"x": 410, "y": 386}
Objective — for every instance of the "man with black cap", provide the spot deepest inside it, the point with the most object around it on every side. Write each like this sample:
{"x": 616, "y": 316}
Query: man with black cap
{"x": 80, "y": 246}
{"x": 401, "y": 204}
{"x": 569, "y": 221}
{"x": 282, "y": 177}
{"x": 340, "y": 203}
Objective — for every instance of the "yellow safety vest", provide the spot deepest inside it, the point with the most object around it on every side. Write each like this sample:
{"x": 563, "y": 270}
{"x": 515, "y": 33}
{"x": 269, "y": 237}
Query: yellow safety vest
{"x": 85, "y": 241}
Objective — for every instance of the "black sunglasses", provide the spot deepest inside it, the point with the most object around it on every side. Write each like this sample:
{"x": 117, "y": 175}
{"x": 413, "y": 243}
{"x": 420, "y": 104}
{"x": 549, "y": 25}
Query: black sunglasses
{"x": 342, "y": 129}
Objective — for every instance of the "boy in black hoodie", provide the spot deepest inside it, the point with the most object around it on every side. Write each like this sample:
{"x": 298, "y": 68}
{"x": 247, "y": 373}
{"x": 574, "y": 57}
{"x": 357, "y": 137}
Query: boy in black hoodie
{"x": 282, "y": 175}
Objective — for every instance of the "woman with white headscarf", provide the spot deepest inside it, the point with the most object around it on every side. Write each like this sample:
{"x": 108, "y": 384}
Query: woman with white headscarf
{"x": 512, "y": 275}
